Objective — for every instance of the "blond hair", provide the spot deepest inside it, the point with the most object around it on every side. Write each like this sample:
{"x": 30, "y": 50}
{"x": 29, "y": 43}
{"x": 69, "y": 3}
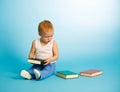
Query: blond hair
{"x": 45, "y": 26}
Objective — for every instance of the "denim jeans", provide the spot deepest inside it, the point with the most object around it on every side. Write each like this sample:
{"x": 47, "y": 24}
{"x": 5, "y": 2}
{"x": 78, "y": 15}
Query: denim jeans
{"x": 45, "y": 70}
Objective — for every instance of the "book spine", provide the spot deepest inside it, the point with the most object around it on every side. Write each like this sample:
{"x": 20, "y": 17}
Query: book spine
{"x": 60, "y": 75}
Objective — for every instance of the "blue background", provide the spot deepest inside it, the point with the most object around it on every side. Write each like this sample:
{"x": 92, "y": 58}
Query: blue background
{"x": 88, "y": 37}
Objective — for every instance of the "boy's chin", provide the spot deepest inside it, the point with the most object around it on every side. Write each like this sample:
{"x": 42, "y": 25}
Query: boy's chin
{"x": 47, "y": 42}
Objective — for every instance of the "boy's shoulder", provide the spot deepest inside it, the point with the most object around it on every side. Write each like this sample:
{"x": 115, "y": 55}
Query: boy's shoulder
{"x": 54, "y": 41}
{"x": 34, "y": 41}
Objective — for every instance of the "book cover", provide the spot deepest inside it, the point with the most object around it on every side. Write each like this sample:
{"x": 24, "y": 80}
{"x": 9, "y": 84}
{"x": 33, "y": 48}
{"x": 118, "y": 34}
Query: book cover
{"x": 36, "y": 61}
{"x": 91, "y": 73}
{"x": 67, "y": 74}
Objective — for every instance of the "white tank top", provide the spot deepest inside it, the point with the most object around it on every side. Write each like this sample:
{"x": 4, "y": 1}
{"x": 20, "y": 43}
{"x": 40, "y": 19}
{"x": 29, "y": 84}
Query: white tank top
{"x": 43, "y": 52}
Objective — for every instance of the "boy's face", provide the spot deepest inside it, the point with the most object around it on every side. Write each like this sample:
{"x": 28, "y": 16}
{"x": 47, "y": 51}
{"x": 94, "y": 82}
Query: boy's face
{"x": 47, "y": 37}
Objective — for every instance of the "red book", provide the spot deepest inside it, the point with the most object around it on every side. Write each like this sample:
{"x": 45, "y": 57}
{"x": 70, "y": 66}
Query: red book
{"x": 91, "y": 73}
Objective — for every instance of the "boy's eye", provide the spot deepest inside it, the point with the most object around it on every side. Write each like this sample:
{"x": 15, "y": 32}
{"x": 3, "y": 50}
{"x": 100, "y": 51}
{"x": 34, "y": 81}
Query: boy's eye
{"x": 48, "y": 36}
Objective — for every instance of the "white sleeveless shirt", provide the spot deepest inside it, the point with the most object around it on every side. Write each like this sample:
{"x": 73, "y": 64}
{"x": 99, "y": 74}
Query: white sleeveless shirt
{"x": 43, "y": 52}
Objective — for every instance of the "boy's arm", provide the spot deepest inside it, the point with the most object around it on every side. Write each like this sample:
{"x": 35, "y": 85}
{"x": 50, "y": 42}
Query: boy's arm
{"x": 55, "y": 54}
{"x": 32, "y": 51}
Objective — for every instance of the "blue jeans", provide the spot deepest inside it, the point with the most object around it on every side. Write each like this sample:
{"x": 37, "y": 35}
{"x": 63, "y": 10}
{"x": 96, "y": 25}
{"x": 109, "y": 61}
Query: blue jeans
{"x": 45, "y": 70}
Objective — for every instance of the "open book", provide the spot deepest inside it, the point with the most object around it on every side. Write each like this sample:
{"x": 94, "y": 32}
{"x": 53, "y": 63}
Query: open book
{"x": 36, "y": 61}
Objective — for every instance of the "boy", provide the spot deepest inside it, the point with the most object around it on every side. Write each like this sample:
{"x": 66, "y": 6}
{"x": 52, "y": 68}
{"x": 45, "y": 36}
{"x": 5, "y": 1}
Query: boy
{"x": 44, "y": 48}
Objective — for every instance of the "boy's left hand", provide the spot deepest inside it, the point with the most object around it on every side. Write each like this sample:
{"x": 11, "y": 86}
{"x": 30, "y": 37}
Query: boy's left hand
{"x": 47, "y": 61}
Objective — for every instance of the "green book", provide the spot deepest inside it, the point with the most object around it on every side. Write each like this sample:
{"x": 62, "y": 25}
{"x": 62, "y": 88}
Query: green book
{"x": 67, "y": 74}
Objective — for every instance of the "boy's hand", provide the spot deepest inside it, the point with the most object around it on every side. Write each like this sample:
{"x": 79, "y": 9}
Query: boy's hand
{"x": 47, "y": 61}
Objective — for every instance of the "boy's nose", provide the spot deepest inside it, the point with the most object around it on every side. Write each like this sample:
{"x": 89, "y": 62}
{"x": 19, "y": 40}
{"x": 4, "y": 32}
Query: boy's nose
{"x": 48, "y": 39}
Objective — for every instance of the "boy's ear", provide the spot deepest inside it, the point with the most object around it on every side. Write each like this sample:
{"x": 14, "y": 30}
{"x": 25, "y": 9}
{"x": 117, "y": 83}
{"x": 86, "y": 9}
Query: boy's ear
{"x": 39, "y": 34}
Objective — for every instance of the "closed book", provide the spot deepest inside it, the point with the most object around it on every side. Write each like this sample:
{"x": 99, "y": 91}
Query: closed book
{"x": 91, "y": 73}
{"x": 67, "y": 74}
{"x": 36, "y": 61}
